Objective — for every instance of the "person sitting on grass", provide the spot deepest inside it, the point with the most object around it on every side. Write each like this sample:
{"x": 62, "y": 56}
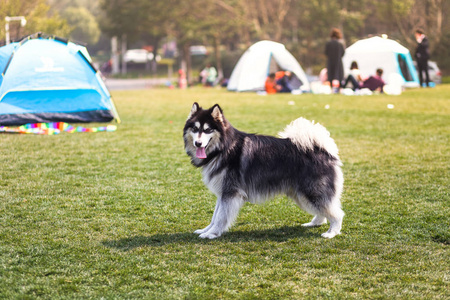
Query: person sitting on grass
{"x": 374, "y": 83}
{"x": 284, "y": 83}
{"x": 354, "y": 77}
{"x": 271, "y": 84}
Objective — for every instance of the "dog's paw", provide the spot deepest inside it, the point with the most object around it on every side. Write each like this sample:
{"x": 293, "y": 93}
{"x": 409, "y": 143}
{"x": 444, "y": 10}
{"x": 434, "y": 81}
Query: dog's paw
{"x": 208, "y": 235}
{"x": 203, "y": 230}
{"x": 316, "y": 221}
{"x": 312, "y": 224}
{"x": 330, "y": 235}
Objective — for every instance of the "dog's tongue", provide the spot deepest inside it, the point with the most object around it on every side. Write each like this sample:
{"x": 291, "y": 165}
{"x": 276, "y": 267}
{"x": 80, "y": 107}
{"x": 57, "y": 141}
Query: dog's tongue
{"x": 201, "y": 152}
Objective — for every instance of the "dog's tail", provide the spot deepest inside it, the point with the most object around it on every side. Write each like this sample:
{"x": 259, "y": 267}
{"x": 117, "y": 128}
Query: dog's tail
{"x": 305, "y": 135}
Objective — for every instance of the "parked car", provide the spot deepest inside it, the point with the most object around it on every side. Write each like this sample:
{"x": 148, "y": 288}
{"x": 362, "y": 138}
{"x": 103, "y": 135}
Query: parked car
{"x": 137, "y": 56}
{"x": 433, "y": 71}
{"x": 198, "y": 50}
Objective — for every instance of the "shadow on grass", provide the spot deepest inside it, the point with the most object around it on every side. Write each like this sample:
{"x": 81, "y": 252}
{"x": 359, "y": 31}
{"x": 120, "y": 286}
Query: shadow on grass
{"x": 276, "y": 234}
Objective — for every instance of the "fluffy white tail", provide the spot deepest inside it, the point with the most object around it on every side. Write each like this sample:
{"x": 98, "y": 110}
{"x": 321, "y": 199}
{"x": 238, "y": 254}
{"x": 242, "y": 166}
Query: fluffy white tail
{"x": 305, "y": 134}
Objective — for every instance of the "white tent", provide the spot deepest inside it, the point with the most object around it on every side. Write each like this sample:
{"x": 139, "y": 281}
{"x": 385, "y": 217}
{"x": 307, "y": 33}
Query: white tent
{"x": 376, "y": 52}
{"x": 258, "y": 61}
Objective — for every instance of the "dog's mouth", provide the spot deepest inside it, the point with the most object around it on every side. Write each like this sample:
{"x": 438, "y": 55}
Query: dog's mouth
{"x": 200, "y": 152}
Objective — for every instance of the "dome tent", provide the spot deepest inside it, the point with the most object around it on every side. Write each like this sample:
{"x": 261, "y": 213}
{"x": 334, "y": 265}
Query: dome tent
{"x": 376, "y": 52}
{"x": 258, "y": 61}
{"x": 51, "y": 80}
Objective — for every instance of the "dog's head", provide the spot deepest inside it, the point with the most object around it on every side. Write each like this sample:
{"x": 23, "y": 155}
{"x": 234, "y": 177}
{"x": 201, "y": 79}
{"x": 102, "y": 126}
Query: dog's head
{"x": 203, "y": 131}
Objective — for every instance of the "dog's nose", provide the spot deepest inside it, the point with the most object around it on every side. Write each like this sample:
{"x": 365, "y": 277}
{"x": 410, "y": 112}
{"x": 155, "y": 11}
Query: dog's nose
{"x": 198, "y": 144}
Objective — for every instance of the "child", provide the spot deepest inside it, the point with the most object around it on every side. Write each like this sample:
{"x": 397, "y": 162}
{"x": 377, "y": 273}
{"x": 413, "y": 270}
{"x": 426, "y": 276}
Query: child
{"x": 271, "y": 84}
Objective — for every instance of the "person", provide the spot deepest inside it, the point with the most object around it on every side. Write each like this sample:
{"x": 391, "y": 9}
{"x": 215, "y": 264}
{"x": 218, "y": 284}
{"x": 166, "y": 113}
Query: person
{"x": 106, "y": 67}
{"x": 203, "y": 75}
{"x": 323, "y": 76}
{"x": 224, "y": 82}
{"x": 374, "y": 83}
{"x": 212, "y": 75}
{"x": 334, "y": 50}
{"x": 182, "y": 81}
{"x": 283, "y": 84}
{"x": 422, "y": 56}
{"x": 271, "y": 84}
{"x": 354, "y": 76}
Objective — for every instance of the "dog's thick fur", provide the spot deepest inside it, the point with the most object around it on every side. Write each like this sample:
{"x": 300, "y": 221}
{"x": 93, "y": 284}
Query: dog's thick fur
{"x": 239, "y": 167}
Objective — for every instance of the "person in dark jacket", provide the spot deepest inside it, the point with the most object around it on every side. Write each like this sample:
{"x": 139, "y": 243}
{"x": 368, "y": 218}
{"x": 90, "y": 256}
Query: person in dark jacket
{"x": 284, "y": 83}
{"x": 422, "y": 56}
{"x": 334, "y": 51}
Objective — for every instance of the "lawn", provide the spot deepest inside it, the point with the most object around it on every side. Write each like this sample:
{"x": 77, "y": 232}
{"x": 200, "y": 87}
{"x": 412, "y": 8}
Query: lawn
{"x": 111, "y": 214}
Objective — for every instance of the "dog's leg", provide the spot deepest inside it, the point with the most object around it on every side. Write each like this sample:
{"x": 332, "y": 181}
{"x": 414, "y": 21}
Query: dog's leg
{"x": 333, "y": 213}
{"x": 318, "y": 220}
{"x": 200, "y": 231}
{"x": 227, "y": 211}
{"x": 335, "y": 216}
{"x": 304, "y": 204}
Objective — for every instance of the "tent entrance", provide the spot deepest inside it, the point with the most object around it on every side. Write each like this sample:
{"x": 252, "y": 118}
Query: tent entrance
{"x": 404, "y": 69}
{"x": 273, "y": 66}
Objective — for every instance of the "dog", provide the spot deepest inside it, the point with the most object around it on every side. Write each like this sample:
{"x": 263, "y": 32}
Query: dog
{"x": 239, "y": 167}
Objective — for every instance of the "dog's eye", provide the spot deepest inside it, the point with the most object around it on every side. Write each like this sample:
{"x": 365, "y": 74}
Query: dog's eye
{"x": 195, "y": 129}
{"x": 208, "y": 130}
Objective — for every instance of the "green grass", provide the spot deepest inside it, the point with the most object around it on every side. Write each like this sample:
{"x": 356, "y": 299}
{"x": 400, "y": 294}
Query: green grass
{"x": 445, "y": 79}
{"x": 111, "y": 215}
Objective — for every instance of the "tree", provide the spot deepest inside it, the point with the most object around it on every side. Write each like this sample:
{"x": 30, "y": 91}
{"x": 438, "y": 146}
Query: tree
{"x": 186, "y": 22}
{"x": 268, "y": 17}
{"x": 120, "y": 18}
{"x": 406, "y": 16}
{"x": 84, "y": 26}
{"x": 221, "y": 22}
{"x": 93, "y": 6}
{"x": 38, "y": 16}
{"x": 303, "y": 26}
{"x": 154, "y": 16}
{"x": 400, "y": 18}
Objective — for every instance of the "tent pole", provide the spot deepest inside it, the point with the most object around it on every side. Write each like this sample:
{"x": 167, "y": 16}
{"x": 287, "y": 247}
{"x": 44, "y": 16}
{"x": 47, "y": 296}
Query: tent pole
{"x": 116, "y": 115}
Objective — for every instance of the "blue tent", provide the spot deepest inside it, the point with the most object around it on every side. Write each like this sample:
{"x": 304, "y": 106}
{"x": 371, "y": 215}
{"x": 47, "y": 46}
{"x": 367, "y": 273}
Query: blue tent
{"x": 51, "y": 80}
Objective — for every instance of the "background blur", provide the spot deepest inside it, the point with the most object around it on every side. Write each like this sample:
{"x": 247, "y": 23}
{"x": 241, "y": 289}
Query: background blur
{"x": 189, "y": 34}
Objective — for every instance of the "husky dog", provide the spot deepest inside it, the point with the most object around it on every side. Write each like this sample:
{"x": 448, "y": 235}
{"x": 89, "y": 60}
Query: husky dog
{"x": 238, "y": 167}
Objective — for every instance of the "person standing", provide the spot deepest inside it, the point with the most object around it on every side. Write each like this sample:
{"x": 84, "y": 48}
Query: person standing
{"x": 334, "y": 50}
{"x": 422, "y": 56}
{"x": 212, "y": 75}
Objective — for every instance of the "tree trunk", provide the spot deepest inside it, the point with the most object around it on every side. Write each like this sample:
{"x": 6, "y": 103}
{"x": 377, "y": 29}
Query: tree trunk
{"x": 188, "y": 61}
{"x": 154, "y": 63}
{"x": 218, "y": 57}
{"x": 114, "y": 56}
{"x": 123, "y": 49}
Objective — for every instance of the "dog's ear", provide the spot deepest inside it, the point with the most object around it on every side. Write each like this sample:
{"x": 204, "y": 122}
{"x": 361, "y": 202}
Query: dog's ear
{"x": 217, "y": 113}
{"x": 194, "y": 109}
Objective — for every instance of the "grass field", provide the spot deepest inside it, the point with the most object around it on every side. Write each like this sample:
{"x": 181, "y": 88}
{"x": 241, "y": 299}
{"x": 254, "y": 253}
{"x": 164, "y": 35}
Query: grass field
{"x": 110, "y": 215}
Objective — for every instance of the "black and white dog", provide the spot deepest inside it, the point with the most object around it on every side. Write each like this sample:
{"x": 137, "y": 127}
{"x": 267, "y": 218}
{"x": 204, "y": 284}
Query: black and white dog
{"x": 239, "y": 167}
